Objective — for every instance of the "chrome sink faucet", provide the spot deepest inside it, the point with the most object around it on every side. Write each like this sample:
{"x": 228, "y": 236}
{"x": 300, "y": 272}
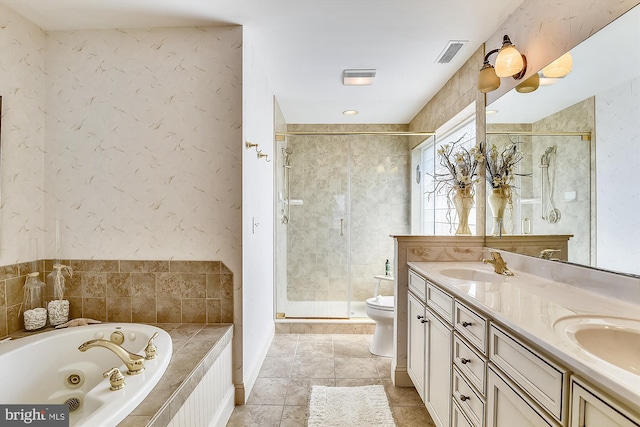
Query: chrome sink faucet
{"x": 499, "y": 265}
{"x": 134, "y": 362}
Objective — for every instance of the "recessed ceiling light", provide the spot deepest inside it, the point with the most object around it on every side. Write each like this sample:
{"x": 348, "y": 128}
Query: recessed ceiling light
{"x": 350, "y": 112}
{"x": 358, "y": 77}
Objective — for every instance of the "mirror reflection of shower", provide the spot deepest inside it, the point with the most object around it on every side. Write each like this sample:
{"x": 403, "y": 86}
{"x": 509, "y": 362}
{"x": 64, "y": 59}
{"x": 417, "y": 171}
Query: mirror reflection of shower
{"x": 550, "y": 213}
{"x": 286, "y": 163}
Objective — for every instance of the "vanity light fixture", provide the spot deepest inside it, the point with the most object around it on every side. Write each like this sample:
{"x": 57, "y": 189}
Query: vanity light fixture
{"x": 358, "y": 77}
{"x": 530, "y": 84}
{"x": 559, "y": 68}
{"x": 509, "y": 63}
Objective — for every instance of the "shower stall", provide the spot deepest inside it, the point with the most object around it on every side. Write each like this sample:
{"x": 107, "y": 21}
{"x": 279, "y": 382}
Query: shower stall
{"x": 339, "y": 198}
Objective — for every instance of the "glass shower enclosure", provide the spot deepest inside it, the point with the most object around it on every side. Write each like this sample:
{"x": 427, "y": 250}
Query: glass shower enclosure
{"x": 339, "y": 198}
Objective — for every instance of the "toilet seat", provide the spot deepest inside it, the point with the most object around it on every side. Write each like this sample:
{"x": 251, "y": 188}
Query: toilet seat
{"x": 382, "y": 303}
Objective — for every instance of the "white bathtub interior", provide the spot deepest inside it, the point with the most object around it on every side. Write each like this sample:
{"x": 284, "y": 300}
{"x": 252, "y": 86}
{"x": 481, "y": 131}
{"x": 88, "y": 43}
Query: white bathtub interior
{"x": 48, "y": 368}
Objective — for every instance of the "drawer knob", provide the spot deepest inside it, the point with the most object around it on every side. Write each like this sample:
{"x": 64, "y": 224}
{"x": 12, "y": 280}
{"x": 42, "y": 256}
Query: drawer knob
{"x": 419, "y": 317}
{"x": 465, "y": 361}
{"x": 465, "y": 324}
{"x": 424, "y": 321}
{"x": 463, "y": 397}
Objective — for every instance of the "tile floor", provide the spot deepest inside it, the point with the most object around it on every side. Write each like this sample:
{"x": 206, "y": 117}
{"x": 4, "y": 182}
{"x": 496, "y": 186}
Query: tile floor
{"x": 295, "y": 362}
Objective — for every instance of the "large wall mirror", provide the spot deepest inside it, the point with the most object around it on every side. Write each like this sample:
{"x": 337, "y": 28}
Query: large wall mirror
{"x": 581, "y": 139}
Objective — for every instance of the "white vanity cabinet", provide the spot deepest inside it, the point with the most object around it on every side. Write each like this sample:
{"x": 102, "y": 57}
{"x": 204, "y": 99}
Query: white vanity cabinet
{"x": 508, "y": 405}
{"x": 545, "y": 381}
{"x": 429, "y": 347}
{"x": 438, "y": 369}
{"x": 592, "y": 408}
{"x": 416, "y": 343}
{"x": 490, "y": 374}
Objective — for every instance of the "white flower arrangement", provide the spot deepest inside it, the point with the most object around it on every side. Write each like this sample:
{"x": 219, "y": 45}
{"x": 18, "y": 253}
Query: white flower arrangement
{"x": 501, "y": 166}
{"x": 461, "y": 165}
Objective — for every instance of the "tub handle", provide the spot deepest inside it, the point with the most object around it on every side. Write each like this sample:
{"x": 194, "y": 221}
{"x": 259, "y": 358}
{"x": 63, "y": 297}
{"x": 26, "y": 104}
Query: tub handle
{"x": 115, "y": 378}
{"x": 151, "y": 350}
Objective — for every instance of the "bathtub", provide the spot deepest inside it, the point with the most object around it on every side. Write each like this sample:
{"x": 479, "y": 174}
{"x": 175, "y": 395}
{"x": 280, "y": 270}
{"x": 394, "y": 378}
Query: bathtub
{"x": 48, "y": 368}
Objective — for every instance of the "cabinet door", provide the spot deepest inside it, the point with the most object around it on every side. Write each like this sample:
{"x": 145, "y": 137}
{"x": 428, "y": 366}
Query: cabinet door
{"x": 590, "y": 409}
{"x": 437, "y": 395}
{"x": 507, "y": 406}
{"x": 415, "y": 343}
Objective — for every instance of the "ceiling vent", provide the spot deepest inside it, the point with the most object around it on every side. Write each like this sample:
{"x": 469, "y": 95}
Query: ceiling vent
{"x": 450, "y": 50}
{"x": 358, "y": 77}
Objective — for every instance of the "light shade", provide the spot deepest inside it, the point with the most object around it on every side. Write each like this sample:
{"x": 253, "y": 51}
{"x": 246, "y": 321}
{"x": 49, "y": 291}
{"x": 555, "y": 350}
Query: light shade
{"x": 560, "y": 67}
{"x": 509, "y": 61}
{"x": 529, "y": 85}
{"x": 487, "y": 79}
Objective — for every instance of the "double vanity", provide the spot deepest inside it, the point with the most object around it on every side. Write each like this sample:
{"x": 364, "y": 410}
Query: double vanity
{"x": 546, "y": 346}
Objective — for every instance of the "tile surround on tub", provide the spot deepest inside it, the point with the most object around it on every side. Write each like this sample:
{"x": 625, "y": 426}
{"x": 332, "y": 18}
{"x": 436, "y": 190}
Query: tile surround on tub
{"x": 130, "y": 291}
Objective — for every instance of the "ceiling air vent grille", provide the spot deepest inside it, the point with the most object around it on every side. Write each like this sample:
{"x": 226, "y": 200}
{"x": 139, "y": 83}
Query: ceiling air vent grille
{"x": 358, "y": 77}
{"x": 450, "y": 50}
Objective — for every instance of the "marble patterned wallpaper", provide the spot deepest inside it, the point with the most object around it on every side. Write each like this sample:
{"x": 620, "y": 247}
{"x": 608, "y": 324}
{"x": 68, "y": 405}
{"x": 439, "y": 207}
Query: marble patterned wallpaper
{"x": 143, "y": 142}
{"x": 22, "y": 86}
{"x": 617, "y": 114}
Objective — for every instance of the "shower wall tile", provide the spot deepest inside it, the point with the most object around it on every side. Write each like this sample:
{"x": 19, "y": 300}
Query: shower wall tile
{"x": 575, "y": 162}
{"x": 132, "y": 291}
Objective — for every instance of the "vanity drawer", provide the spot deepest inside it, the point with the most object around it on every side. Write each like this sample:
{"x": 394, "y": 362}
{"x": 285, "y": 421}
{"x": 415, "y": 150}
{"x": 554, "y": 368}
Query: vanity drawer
{"x": 470, "y": 363}
{"x": 545, "y": 381}
{"x": 471, "y": 325}
{"x": 472, "y": 404}
{"x": 440, "y": 302}
{"x": 458, "y": 419}
{"x": 417, "y": 285}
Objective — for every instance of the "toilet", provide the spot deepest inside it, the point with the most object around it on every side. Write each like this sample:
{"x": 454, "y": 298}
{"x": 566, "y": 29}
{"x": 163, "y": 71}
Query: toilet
{"x": 380, "y": 309}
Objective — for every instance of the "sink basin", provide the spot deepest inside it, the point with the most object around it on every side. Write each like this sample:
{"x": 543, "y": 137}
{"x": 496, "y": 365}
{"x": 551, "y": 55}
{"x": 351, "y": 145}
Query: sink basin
{"x": 472, "y": 275}
{"x": 612, "y": 339}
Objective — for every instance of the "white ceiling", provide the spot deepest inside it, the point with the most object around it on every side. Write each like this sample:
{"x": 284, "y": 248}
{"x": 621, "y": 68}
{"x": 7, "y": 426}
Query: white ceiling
{"x": 306, "y": 44}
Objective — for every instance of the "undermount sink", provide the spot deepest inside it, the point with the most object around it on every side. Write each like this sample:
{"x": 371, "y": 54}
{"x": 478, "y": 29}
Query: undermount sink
{"x": 472, "y": 275}
{"x": 612, "y": 339}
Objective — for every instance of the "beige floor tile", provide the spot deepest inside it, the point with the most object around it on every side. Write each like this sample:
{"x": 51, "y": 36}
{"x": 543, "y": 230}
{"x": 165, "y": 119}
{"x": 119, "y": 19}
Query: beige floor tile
{"x": 411, "y": 416}
{"x": 294, "y": 416}
{"x": 356, "y": 367}
{"x": 294, "y": 363}
{"x": 300, "y": 389}
{"x": 256, "y": 415}
{"x": 269, "y": 391}
{"x": 276, "y": 367}
{"x": 351, "y": 349}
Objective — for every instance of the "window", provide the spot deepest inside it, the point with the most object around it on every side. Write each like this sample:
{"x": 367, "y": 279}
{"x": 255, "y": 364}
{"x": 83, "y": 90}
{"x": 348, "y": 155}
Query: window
{"x": 437, "y": 213}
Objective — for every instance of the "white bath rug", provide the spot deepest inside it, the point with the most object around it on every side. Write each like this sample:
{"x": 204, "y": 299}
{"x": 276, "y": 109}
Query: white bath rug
{"x": 349, "y": 407}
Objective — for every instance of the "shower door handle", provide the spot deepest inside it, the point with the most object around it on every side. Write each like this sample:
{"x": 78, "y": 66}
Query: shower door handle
{"x": 341, "y": 227}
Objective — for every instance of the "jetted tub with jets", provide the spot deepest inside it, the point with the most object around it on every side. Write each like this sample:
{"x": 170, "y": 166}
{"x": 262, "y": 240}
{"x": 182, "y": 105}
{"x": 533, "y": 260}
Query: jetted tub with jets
{"x": 48, "y": 368}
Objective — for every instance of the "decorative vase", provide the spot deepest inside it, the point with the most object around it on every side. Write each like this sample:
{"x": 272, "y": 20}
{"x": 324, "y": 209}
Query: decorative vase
{"x": 498, "y": 200}
{"x": 463, "y": 201}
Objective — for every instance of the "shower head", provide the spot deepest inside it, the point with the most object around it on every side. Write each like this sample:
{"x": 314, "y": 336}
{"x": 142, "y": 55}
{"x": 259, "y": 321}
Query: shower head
{"x": 288, "y": 150}
{"x": 546, "y": 157}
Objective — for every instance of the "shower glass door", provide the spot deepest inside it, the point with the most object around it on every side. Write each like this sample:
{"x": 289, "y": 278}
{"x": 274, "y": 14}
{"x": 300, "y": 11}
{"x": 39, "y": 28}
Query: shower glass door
{"x": 315, "y": 202}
